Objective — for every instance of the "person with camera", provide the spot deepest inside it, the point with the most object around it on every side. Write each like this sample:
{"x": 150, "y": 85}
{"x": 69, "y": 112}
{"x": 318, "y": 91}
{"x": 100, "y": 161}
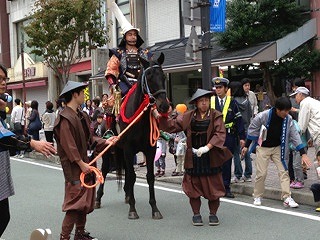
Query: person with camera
{"x": 10, "y": 141}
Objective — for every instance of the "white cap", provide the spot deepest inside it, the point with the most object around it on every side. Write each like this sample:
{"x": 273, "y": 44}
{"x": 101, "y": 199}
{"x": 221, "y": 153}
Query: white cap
{"x": 303, "y": 90}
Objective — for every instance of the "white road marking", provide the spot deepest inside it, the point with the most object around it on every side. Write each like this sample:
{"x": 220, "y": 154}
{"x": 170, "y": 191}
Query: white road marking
{"x": 35, "y": 163}
{"x": 282, "y": 211}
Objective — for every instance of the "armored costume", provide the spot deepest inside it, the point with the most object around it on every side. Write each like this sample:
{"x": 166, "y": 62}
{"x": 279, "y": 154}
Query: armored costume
{"x": 124, "y": 65}
{"x": 203, "y": 173}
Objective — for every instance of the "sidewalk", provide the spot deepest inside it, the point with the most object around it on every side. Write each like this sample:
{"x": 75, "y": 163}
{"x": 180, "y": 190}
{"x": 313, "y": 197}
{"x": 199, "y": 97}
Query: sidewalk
{"x": 272, "y": 191}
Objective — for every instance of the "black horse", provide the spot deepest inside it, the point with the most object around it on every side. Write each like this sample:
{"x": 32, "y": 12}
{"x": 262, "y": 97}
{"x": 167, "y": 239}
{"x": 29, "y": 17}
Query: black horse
{"x": 109, "y": 163}
{"x": 151, "y": 84}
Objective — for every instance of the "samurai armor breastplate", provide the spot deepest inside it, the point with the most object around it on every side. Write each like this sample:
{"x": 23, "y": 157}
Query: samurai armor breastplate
{"x": 130, "y": 62}
{"x": 201, "y": 165}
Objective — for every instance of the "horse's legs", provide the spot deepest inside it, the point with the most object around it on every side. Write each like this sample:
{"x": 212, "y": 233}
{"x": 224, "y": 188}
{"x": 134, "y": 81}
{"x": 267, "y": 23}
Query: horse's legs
{"x": 105, "y": 168}
{"x": 130, "y": 179}
{"x": 150, "y": 179}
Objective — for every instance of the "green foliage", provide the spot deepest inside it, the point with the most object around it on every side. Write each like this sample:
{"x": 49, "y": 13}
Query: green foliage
{"x": 299, "y": 63}
{"x": 251, "y": 22}
{"x": 59, "y": 29}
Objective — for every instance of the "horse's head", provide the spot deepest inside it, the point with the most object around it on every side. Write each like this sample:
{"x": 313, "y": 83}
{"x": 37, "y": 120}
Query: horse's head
{"x": 153, "y": 83}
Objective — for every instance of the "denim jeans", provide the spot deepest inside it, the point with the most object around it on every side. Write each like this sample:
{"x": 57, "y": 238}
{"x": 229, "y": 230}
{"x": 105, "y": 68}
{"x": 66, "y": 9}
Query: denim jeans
{"x": 237, "y": 163}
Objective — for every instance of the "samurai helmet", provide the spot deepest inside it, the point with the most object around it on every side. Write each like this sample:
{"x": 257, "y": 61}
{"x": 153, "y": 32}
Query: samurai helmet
{"x": 125, "y": 25}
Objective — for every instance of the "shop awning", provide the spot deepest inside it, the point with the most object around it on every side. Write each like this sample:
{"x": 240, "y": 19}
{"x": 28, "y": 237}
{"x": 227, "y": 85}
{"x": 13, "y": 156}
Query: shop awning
{"x": 30, "y": 84}
{"x": 174, "y": 51}
{"x": 98, "y": 76}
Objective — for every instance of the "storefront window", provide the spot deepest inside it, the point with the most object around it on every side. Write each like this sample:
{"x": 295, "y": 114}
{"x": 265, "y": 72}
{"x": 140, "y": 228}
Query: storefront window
{"x": 183, "y": 85}
{"x": 22, "y": 39}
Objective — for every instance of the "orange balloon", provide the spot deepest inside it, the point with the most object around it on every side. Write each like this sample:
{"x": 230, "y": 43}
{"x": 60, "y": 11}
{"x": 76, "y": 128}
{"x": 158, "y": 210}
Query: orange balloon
{"x": 181, "y": 108}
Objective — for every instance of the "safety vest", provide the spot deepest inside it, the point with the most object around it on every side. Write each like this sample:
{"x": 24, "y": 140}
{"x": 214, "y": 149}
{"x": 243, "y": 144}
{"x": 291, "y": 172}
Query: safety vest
{"x": 224, "y": 110}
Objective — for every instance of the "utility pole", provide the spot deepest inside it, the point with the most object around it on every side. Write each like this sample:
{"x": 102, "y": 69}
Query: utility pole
{"x": 23, "y": 82}
{"x": 205, "y": 45}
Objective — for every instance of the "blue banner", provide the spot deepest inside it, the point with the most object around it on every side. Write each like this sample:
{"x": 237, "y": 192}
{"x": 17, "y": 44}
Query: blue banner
{"x": 217, "y": 15}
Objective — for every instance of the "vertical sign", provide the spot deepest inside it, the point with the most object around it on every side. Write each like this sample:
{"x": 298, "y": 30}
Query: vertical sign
{"x": 217, "y": 15}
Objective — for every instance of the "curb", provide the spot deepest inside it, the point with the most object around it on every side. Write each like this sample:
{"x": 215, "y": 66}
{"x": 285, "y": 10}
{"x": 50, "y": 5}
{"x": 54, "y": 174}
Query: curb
{"x": 274, "y": 193}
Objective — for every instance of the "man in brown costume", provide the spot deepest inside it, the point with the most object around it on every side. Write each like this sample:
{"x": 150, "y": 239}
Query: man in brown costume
{"x": 205, "y": 154}
{"x": 72, "y": 134}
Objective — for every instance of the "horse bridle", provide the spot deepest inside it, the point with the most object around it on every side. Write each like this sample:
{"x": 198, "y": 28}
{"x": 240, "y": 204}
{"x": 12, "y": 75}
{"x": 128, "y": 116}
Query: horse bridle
{"x": 145, "y": 86}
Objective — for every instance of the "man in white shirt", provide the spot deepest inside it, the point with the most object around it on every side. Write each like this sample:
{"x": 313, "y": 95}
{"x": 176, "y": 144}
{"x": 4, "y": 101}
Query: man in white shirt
{"x": 309, "y": 116}
{"x": 17, "y": 119}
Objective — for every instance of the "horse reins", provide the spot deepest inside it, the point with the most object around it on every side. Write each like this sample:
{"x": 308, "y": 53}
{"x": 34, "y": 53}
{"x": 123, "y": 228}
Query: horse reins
{"x": 154, "y": 133}
{"x": 99, "y": 177}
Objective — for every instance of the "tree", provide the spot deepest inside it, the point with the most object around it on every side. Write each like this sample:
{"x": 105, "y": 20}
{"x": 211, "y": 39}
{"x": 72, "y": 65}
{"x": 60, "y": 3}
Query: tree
{"x": 251, "y": 22}
{"x": 299, "y": 63}
{"x": 59, "y": 30}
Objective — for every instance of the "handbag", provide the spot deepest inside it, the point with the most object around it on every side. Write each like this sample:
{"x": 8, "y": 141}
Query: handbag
{"x": 172, "y": 149}
{"x": 35, "y": 125}
{"x": 17, "y": 126}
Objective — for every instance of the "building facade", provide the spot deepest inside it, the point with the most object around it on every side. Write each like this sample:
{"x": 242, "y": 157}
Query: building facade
{"x": 163, "y": 29}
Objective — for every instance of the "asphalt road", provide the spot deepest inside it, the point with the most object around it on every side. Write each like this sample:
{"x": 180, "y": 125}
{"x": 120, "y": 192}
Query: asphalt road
{"x": 39, "y": 194}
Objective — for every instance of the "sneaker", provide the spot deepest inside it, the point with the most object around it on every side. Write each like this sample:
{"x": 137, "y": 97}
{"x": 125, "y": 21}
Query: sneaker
{"x": 297, "y": 185}
{"x": 289, "y": 202}
{"x": 174, "y": 174}
{"x": 213, "y": 220}
{"x": 197, "y": 220}
{"x": 21, "y": 156}
{"x": 257, "y": 201}
{"x": 317, "y": 209}
{"x": 157, "y": 173}
{"x": 236, "y": 180}
{"x": 229, "y": 195}
{"x": 292, "y": 184}
{"x": 84, "y": 236}
{"x": 247, "y": 179}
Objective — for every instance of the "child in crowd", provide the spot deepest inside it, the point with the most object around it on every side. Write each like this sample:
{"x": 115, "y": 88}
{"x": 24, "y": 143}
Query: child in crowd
{"x": 179, "y": 145}
{"x": 296, "y": 164}
{"x": 315, "y": 188}
{"x": 97, "y": 126}
{"x": 161, "y": 162}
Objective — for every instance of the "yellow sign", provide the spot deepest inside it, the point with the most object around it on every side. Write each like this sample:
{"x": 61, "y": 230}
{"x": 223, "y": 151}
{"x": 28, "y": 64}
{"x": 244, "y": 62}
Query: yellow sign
{"x": 86, "y": 94}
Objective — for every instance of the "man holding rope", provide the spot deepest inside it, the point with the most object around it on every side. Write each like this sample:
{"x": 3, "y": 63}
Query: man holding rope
{"x": 72, "y": 134}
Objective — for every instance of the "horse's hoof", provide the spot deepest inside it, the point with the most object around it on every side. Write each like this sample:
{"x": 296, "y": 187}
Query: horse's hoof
{"x": 97, "y": 205}
{"x": 157, "y": 215}
{"x": 126, "y": 200}
{"x": 133, "y": 215}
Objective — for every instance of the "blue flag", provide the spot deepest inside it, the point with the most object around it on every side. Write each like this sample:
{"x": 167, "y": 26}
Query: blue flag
{"x": 217, "y": 15}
